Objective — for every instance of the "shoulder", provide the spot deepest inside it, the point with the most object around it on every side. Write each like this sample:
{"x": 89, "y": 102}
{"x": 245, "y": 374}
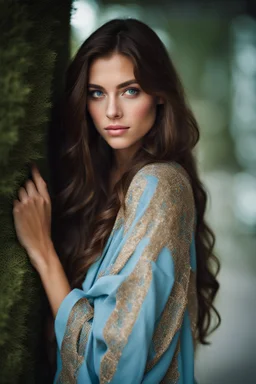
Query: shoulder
{"x": 165, "y": 178}
{"x": 161, "y": 192}
{"x": 160, "y": 189}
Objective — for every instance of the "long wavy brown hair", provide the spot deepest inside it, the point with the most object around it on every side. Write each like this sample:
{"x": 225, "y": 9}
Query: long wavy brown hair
{"x": 84, "y": 211}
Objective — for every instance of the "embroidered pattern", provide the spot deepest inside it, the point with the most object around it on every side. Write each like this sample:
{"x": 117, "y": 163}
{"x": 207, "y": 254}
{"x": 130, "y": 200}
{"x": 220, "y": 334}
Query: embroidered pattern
{"x": 74, "y": 341}
{"x": 170, "y": 322}
{"x": 174, "y": 191}
{"x": 172, "y": 374}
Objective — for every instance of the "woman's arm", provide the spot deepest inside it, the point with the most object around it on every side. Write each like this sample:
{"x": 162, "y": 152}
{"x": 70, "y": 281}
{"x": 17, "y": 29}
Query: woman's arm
{"x": 54, "y": 279}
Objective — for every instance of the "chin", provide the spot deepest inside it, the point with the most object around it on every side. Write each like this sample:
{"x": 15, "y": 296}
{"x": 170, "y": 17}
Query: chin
{"x": 120, "y": 146}
{"x": 115, "y": 145}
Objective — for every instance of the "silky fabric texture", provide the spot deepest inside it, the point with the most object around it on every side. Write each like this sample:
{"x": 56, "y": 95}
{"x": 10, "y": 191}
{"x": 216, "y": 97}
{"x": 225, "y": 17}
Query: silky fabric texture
{"x": 134, "y": 320}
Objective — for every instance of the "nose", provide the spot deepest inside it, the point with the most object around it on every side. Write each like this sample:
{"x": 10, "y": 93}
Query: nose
{"x": 113, "y": 108}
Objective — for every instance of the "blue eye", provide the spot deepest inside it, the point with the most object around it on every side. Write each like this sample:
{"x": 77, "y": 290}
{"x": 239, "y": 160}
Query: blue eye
{"x": 95, "y": 94}
{"x": 132, "y": 91}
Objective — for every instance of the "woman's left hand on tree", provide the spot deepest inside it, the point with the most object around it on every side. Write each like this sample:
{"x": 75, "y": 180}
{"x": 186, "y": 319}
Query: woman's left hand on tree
{"x": 32, "y": 219}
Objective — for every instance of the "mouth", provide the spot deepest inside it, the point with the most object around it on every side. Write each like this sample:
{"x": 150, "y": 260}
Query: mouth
{"x": 115, "y": 127}
{"x": 116, "y": 130}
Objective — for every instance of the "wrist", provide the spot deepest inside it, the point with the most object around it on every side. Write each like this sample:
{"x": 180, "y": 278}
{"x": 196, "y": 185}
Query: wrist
{"x": 44, "y": 259}
{"x": 52, "y": 264}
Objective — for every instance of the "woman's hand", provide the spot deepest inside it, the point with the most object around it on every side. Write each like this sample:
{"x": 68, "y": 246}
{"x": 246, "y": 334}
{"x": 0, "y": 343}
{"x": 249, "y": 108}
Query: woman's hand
{"x": 32, "y": 219}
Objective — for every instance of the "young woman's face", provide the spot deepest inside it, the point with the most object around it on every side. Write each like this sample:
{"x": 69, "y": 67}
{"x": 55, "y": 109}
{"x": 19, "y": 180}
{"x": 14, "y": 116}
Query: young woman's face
{"x": 116, "y": 99}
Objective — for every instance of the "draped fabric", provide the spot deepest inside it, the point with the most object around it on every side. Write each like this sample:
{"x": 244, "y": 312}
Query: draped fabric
{"x": 134, "y": 320}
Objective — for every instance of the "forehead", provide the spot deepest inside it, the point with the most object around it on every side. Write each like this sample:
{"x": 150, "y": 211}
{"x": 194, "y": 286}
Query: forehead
{"x": 111, "y": 70}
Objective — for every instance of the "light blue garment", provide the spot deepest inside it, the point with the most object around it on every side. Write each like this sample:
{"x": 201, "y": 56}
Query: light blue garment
{"x": 134, "y": 320}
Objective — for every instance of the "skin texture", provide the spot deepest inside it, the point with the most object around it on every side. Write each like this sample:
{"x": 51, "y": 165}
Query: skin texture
{"x": 128, "y": 106}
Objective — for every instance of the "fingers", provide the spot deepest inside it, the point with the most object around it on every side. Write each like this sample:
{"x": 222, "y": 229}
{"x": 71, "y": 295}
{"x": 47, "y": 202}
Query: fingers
{"x": 39, "y": 183}
{"x": 22, "y": 193}
{"x": 28, "y": 191}
{"x": 31, "y": 188}
{"x": 16, "y": 205}
{"x": 36, "y": 188}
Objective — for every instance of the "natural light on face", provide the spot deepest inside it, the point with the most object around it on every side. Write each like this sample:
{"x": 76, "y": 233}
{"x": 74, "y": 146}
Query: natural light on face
{"x": 111, "y": 102}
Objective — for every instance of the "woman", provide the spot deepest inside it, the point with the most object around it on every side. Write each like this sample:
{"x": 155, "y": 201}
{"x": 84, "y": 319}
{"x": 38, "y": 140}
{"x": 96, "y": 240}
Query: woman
{"x": 133, "y": 293}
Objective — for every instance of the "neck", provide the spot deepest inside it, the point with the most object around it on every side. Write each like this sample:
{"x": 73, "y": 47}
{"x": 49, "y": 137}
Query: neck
{"x": 120, "y": 164}
{"x": 122, "y": 156}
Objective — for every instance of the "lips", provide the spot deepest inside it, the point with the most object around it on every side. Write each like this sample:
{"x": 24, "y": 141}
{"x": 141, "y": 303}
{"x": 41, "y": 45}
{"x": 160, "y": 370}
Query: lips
{"x": 116, "y": 131}
{"x": 115, "y": 127}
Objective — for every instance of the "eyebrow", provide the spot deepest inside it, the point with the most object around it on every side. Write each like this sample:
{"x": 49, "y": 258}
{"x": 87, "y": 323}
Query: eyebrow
{"x": 122, "y": 85}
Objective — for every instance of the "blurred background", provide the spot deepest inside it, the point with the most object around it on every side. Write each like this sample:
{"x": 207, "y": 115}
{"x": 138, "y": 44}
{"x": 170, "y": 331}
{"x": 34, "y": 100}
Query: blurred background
{"x": 213, "y": 45}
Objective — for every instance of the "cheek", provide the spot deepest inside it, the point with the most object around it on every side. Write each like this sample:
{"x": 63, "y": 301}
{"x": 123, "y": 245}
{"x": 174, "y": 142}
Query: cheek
{"x": 94, "y": 111}
{"x": 145, "y": 110}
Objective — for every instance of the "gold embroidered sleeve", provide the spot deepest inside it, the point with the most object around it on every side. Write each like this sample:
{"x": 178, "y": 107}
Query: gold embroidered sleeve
{"x": 72, "y": 327}
{"x": 154, "y": 259}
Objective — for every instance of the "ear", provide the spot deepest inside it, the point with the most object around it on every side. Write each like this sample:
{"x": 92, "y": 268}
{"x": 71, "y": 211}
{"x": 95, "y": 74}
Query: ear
{"x": 159, "y": 100}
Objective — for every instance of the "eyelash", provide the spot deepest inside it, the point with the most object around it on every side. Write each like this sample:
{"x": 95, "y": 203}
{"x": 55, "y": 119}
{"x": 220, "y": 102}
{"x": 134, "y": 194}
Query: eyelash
{"x": 128, "y": 89}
